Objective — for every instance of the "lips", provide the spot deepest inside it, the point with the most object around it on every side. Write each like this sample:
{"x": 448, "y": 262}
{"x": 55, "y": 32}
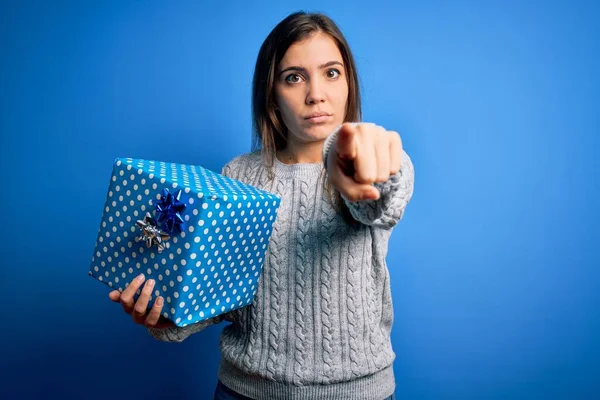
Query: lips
{"x": 317, "y": 114}
{"x": 318, "y": 117}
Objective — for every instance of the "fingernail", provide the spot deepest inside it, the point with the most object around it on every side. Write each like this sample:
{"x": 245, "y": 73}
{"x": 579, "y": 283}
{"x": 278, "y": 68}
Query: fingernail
{"x": 159, "y": 301}
{"x": 140, "y": 277}
{"x": 150, "y": 282}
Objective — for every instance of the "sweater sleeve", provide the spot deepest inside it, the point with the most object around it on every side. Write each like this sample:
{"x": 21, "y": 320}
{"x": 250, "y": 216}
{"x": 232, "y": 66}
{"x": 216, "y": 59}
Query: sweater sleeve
{"x": 395, "y": 194}
{"x": 179, "y": 334}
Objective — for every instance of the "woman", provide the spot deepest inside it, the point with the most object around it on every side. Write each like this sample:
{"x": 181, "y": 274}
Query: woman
{"x": 319, "y": 325}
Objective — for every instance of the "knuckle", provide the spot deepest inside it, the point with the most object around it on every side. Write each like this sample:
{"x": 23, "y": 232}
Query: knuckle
{"x": 365, "y": 177}
{"x": 398, "y": 138}
{"x": 392, "y": 136}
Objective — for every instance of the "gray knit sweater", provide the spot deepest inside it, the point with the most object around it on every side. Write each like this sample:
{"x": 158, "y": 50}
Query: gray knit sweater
{"x": 319, "y": 326}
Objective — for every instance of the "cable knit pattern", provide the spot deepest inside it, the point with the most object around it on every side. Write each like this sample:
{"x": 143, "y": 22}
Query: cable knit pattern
{"x": 375, "y": 341}
{"x": 353, "y": 316}
{"x": 277, "y": 244}
{"x": 319, "y": 323}
{"x": 328, "y": 231}
{"x": 302, "y": 262}
{"x": 252, "y": 355}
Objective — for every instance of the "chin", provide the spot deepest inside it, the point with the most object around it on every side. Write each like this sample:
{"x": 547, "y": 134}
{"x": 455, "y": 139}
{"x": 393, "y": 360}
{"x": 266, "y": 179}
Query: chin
{"x": 319, "y": 131}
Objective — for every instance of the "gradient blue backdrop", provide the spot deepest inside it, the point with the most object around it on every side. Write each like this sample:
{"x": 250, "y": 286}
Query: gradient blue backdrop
{"x": 494, "y": 267}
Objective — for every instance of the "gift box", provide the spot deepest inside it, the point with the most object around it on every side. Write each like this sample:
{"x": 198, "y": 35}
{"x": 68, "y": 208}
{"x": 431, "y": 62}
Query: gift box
{"x": 201, "y": 235}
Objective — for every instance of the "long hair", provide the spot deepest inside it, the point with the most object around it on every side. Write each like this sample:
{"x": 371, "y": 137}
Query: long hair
{"x": 269, "y": 130}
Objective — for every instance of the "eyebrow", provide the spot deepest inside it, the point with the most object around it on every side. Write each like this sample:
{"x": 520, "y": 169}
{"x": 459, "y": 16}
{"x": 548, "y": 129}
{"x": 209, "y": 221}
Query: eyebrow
{"x": 296, "y": 68}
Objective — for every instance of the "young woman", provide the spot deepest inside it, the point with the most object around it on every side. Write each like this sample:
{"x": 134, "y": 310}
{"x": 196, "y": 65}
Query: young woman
{"x": 319, "y": 325}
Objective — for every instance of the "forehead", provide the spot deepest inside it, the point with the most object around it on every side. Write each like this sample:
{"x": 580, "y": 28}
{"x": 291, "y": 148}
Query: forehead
{"x": 317, "y": 49}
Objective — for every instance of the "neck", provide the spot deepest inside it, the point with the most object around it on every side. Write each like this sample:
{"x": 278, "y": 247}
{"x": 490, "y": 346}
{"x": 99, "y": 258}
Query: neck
{"x": 301, "y": 153}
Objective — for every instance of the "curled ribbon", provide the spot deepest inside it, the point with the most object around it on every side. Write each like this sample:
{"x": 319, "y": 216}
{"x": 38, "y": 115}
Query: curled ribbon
{"x": 169, "y": 209}
{"x": 151, "y": 233}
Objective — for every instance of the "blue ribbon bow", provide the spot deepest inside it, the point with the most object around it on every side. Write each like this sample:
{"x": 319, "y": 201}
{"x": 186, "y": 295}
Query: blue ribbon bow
{"x": 169, "y": 210}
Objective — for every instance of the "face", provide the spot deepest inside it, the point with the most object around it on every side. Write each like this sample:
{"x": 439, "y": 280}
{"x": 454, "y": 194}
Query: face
{"x": 311, "y": 79}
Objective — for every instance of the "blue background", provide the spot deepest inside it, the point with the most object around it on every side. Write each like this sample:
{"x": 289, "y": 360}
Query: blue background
{"x": 494, "y": 267}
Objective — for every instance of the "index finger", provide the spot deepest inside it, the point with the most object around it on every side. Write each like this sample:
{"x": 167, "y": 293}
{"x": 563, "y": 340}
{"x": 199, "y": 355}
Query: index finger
{"x": 127, "y": 295}
{"x": 346, "y": 143}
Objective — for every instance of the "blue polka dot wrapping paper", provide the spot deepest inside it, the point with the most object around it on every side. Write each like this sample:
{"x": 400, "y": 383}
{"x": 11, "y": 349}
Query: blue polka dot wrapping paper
{"x": 200, "y": 235}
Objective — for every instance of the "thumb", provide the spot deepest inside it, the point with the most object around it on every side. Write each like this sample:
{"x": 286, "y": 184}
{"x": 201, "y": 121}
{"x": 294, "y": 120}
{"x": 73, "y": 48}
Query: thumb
{"x": 115, "y": 296}
{"x": 354, "y": 191}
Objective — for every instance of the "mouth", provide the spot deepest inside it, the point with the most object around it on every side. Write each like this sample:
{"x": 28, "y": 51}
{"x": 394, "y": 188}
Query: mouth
{"x": 317, "y": 118}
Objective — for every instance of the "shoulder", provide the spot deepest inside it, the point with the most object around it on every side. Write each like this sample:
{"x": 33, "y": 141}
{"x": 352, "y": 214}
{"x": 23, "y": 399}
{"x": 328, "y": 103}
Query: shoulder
{"x": 233, "y": 167}
{"x": 244, "y": 159}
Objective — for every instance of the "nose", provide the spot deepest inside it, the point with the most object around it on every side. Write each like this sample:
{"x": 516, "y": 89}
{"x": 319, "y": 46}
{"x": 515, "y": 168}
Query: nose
{"x": 316, "y": 92}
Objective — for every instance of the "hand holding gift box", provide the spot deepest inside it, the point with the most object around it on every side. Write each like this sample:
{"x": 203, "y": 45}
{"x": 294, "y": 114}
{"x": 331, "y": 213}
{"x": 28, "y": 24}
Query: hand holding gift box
{"x": 138, "y": 309}
{"x": 199, "y": 235}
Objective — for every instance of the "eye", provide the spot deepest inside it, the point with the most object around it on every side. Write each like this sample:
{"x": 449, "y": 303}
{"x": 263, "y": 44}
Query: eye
{"x": 287, "y": 78}
{"x": 333, "y": 73}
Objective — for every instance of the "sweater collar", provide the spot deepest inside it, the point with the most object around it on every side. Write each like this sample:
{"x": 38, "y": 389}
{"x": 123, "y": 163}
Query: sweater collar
{"x": 298, "y": 170}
